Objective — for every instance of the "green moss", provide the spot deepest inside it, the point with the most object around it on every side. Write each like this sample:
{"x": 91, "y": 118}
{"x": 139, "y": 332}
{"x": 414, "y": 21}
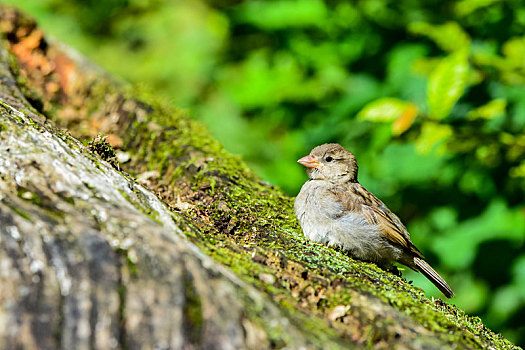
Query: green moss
{"x": 13, "y": 113}
{"x": 103, "y": 149}
{"x": 21, "y": 213}
{"x": 21, "y": 83}
{"x": 122, "y": 295}
{"x": 132, "y": 267}
{"x": 27, "y": 195}
{"x": 192, "y": 311}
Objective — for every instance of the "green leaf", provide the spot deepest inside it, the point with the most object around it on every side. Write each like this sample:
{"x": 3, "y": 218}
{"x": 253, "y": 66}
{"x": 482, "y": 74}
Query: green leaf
{"x": 385, "y": 109}
{"x": 467, "y": 7}
{"x": 389, "y": 109}
{"x": 447, "y": 83}
{"x": 514, "y": 51}
{"x": 449, "y": 36}
{"x": 432, "y": 134}
{"x": 283, "y": 14}
{"x": 494, "y": 108}
{"x": 518, "y": 171}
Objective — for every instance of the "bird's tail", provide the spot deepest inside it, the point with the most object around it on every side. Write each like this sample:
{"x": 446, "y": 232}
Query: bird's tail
{"x": 433, "y": 277}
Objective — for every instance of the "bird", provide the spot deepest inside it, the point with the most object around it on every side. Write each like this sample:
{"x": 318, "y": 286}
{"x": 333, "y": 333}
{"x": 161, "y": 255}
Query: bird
{"x": 333, "y": 208}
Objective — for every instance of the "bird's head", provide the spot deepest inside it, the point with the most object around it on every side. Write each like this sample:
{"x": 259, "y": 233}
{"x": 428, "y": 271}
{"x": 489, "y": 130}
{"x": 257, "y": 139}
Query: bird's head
{"x": 330, "y": 162}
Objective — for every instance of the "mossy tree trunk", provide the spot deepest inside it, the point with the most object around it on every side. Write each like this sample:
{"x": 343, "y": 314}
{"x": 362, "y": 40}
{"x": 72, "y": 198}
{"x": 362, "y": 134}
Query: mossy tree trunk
{"x": 127, "y": 250}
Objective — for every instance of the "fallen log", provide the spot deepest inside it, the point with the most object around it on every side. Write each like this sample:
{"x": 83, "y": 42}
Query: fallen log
{"x": 155, "y": 237}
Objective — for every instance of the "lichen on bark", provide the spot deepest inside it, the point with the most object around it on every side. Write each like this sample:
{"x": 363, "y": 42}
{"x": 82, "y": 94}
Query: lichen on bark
{"x": 221, "y": 207}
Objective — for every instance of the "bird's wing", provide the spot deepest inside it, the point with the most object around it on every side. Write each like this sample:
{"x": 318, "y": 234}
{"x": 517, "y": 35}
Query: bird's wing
{"x": 359, "y": 199}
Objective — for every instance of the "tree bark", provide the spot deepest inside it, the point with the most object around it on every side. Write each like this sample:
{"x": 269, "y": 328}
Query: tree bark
{"x": 160, "y": 239}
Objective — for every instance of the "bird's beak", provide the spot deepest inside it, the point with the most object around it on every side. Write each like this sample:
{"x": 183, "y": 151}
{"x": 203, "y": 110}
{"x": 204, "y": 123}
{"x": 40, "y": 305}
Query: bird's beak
{"x": 309, "y": 161}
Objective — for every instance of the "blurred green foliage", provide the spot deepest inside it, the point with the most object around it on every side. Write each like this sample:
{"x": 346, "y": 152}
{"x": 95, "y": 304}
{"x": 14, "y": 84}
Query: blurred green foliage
{"x": 429, "y": 95}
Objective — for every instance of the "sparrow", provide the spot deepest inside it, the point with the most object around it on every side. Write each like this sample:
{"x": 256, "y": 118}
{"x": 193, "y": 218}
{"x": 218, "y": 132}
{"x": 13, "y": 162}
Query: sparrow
{"x": 335, "y": 209}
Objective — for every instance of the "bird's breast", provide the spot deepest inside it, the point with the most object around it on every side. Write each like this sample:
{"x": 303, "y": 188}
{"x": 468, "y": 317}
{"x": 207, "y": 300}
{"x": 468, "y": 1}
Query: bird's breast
{"x": 311, "y": 211}
{"x": 324, "y": 220}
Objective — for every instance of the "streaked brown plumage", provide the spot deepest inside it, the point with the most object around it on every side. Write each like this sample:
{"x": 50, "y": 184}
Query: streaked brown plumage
{"x": 334, "y": 208}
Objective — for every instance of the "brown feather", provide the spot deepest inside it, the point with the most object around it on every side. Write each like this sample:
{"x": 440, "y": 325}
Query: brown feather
{"x": 376, "y": 212}
{"x": 433, "y": 277}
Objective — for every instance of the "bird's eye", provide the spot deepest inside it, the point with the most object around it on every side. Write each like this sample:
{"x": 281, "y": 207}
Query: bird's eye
{"x": 329, "y": 159}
